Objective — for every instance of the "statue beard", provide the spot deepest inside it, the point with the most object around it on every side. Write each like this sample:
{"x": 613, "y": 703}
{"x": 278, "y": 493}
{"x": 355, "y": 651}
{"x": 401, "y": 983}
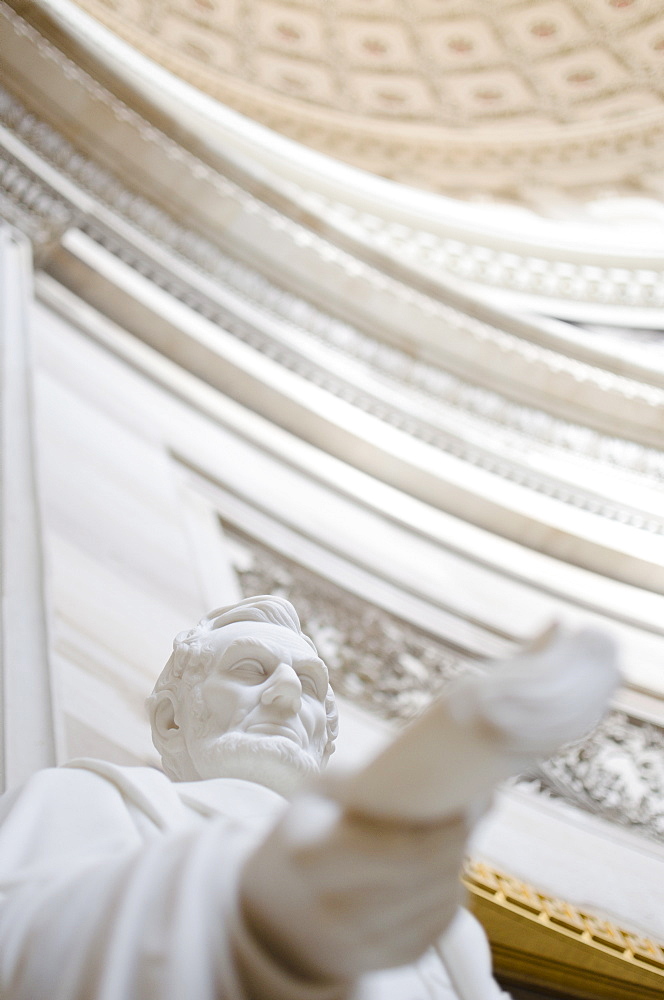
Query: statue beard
{"x": 273, "y": 761}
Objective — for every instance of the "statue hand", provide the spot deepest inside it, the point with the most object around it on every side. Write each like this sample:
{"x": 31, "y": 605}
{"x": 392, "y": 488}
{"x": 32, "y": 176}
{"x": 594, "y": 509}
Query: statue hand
{"x": 549, "y": 695}
{"x": 334, "y": 894}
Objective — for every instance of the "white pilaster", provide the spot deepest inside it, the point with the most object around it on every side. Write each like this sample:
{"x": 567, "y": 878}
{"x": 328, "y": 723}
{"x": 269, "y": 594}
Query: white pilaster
{"x": 27, "y": 723}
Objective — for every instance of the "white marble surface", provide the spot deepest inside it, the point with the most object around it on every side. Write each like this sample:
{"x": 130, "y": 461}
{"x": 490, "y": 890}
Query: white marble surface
{"x": 575, "y": 857}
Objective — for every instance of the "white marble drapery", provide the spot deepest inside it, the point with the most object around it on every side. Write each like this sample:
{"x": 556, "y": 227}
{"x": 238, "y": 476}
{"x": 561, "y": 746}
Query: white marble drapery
{"x": 116, "y": 884}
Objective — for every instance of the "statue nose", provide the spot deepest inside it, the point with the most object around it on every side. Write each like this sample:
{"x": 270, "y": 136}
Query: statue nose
{"x": 284, "y": 689}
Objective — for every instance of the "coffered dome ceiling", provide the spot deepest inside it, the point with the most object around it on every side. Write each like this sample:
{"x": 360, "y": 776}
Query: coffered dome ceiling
{"x": 457, "y": 96}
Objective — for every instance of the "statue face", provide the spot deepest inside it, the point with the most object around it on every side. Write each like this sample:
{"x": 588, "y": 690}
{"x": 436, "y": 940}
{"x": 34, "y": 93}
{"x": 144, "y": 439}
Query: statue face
{"x": 261, "y": 705}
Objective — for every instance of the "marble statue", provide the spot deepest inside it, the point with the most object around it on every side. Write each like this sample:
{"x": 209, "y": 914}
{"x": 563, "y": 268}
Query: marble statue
{"x": 240, "y": 872}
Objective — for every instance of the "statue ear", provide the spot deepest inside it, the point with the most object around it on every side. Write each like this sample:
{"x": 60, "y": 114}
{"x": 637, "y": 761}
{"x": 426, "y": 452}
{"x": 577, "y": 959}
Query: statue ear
{"x": 164, "y": 721}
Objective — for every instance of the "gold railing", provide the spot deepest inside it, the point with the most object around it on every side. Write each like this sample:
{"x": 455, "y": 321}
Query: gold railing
{"x": 544, "y": 942}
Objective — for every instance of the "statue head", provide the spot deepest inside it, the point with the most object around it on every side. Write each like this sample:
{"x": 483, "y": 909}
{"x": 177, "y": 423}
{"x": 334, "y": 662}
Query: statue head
{"x": 245, "y": 695}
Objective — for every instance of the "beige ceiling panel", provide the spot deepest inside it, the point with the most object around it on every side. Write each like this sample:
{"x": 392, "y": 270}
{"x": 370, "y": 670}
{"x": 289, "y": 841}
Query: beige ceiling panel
{"x": 393, "y": 94}
{"x": 543, "y": 28}
{"x": 330, "y": 73}
{"x": 223, "y": 14}
{"x": 644, "y": 46}
{"x": 619, "y": 13}
{"x": 389, "y": 8}
{"x": 289, "y": 29}
{"x": 380, "y": 44}
{"x": 136, "y": 12}
{"x": 445, "y": 8}
{"x": 582, "y": 76}
{"x": 198, "y": 43}
{"x": 621, "y": 105}
{"x": 460, "y": 43}
{"x": 298, "y": 78}
{"x": 491, "y": 93}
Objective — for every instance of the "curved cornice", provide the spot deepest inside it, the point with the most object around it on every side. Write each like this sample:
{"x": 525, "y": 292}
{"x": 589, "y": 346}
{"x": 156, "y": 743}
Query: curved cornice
{"x": 456, "y": 402}
{"x": 600, "y": 263}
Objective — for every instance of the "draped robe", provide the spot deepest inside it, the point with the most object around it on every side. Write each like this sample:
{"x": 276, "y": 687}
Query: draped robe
{"x": 118, "y": 884}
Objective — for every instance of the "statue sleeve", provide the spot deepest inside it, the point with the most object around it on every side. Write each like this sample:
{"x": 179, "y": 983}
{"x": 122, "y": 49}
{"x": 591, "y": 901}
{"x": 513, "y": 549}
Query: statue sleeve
{"x": 118, "y": 917}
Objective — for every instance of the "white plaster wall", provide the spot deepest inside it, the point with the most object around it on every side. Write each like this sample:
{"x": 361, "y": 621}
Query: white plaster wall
{"x": 120, "y": 577}
{"x": 132, "y": 558}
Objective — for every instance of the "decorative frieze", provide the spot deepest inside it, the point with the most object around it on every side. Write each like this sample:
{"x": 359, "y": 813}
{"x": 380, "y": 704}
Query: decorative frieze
{"x": 552, "y": 277}
{"x": 30, "y": 205}
{"x": 617, "y": 773}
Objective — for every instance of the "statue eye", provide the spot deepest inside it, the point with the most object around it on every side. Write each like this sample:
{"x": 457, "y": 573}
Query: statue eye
{"x": 309, "y": 685}
{"x": 249, "y": 670}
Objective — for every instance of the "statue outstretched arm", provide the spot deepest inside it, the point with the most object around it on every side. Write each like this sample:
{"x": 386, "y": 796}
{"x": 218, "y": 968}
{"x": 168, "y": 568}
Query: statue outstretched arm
{"x": 488, "y": 727}
{"x": 374, "y": 862}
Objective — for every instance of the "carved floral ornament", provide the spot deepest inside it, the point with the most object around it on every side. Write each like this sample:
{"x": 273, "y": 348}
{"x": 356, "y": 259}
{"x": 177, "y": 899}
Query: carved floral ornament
{"x": 421, "y": 94}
